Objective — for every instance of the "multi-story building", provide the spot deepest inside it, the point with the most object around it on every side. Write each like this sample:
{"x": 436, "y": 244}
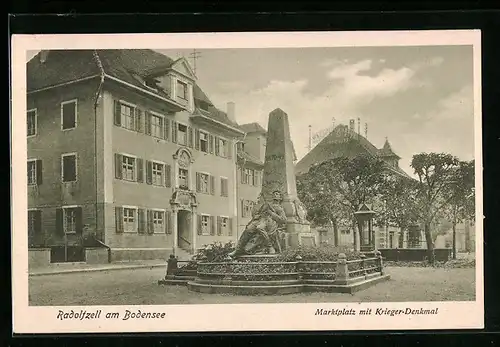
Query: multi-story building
{"x": 343, "y": 141}
{"x": 251, "y": 154}
{"x": 126, "y": 152}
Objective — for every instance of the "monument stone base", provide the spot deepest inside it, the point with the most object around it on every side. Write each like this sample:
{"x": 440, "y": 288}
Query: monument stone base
{"x": 299, "y": 234}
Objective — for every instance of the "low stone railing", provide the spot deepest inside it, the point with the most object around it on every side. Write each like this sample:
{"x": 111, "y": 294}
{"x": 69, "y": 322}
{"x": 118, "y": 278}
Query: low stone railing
{"x": 253, "y": 274}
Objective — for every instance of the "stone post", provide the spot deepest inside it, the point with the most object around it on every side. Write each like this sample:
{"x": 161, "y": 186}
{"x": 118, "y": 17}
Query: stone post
{"x": 363, "y": 265}
{"x": 342, "y": 272}
{"x": 171, "y": 265}
{"x": 378, "y": 255}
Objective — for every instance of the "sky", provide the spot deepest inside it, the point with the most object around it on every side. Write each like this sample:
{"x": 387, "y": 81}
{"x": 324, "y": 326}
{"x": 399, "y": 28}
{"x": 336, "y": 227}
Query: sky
{"x": 419, "y": 97}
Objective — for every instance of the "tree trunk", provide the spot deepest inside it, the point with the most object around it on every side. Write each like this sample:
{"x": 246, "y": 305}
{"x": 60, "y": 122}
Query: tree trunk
{"x": 430, "y": 244}
{"x": 467, "y": 236}
{"x": 454, "y": 243}
{"x": 335, "y": 233}
{"x": 401, "y": 238}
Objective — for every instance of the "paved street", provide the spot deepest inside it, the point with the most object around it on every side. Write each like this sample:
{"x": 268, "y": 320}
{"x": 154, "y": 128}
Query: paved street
{"x": 139, "y": 287}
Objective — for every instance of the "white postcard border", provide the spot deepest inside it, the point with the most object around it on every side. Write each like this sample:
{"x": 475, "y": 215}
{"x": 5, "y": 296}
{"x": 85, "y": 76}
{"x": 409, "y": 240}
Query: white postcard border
{"x": 234, "y": 317}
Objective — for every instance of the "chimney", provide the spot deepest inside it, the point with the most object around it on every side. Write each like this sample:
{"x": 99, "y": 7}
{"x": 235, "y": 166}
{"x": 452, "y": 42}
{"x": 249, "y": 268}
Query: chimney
{"x": 43, "y": 56}
{"x": 231, "y": 111}
{"x": 351, "y": 125}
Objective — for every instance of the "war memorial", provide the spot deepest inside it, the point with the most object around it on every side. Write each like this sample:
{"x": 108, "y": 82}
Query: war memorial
{"x": 274, "y": 255}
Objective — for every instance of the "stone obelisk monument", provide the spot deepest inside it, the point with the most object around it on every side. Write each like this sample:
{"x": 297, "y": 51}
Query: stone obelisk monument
{"x": 279, "y": 175}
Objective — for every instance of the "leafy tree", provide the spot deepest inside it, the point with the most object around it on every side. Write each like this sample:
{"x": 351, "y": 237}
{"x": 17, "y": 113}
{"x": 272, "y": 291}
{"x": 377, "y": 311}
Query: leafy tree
{"x": 333, "y": 190}
{"x": 436, "y": 172}
{"x": 461, "y": 205}
{"x": 399, "y": 202}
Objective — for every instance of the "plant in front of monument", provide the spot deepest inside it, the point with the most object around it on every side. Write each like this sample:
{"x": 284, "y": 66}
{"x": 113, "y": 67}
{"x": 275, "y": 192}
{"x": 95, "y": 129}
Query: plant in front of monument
{"x": 461, "y": 205}
{"x": 333, "y": 190}
{"x": 214, "y": 252}
{"x": 436, "y": 174}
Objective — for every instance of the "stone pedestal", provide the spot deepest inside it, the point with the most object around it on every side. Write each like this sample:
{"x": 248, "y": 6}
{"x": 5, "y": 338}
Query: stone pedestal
{"x": 300, "y": 235}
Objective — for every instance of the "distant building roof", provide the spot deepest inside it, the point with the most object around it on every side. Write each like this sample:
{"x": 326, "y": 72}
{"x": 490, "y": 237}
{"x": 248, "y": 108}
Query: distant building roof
{"x": 127, "y": 65}
{"x": 253, "y": 128}
{"x": 247, "y": 157}
{"x": 342, "y": 142}
{"x": 387, "y": 151}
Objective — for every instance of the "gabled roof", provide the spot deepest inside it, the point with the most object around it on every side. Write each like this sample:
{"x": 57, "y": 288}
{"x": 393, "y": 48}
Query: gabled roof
{"x": 341, "y": 142}
{"x": 127, "y": 65}
{"x": 247, "y": 157}
{"x": 253, "y": 128}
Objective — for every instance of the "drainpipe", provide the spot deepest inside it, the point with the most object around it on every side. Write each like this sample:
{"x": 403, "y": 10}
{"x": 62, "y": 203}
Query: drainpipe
{"x": 96, "y": 103}
{"x": 238, "y": 179}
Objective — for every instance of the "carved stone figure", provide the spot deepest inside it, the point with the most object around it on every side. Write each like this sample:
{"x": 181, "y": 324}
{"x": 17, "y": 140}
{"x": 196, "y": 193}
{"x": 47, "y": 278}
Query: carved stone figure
{"x": 300, "y": 211}
{"x": 263, "y": 234}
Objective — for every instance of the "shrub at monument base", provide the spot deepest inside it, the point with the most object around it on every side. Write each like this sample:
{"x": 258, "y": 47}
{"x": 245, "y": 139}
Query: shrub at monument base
{"x": 214, "y": 252}
{"x": 319, "y": 253}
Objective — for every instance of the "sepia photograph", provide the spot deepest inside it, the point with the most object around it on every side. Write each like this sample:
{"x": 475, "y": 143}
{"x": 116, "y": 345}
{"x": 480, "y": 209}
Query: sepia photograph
{"x": 254, "y": 176}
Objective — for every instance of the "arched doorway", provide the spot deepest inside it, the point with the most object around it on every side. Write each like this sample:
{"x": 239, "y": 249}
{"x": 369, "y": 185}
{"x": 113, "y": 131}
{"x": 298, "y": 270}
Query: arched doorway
{"x": 184, "y": 202}
{"x": 184, "y": 230}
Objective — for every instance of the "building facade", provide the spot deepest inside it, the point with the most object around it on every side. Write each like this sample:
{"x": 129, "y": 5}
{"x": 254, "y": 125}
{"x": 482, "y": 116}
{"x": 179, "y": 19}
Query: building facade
{"x": 127, "y": 153}
{"x": 343, "y": 141}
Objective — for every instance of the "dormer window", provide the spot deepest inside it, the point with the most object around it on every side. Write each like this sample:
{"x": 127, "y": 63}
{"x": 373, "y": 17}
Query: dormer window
{"x": 151, "y": 83}
{"x": 182, "y": 90}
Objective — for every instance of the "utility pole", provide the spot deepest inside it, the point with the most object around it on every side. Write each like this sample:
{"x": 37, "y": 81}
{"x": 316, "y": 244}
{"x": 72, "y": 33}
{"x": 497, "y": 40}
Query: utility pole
{"x": 195, "y": 55}
{"x": 310, "y": 139}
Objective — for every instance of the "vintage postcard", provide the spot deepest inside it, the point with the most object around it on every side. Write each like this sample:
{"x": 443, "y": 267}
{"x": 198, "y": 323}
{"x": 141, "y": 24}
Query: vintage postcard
{"x": 274, "y": 181}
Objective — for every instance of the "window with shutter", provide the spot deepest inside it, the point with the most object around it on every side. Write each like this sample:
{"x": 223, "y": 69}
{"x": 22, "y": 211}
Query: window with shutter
{"x": 149, "y": 172}
{"x": 31, "y": 120}
{"x": 140, "y": 170}
{"x": 119, "y": 219}
{"x": 32, "y": 172}
{"x": 158, "y": 174}
{"x": 190, "y": 137}
{"x": 197, "y": 139}
{"x": 174, "y": 131}
{"x": 223, "y": 187}
{"x": 199, "y": 224}
{"x": 118, "y": 113}
{"x": 138, "y": 121}
{"x": 156, "y": 124}
{"x": 39, "y": 171}
{"x": 212, "y": 185}
{"x": 129, "y": 169}
{"x": 129, "y": 219}
{"x": 118, "y": 166}
{"x": 71, "y": 220}
{"x": 217, "y": 144}
{"x": 211, "y": 142}
{"x": 141, "y": 220}
{"x": 158, "y": 221}
{"x": 147, "y": 119}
